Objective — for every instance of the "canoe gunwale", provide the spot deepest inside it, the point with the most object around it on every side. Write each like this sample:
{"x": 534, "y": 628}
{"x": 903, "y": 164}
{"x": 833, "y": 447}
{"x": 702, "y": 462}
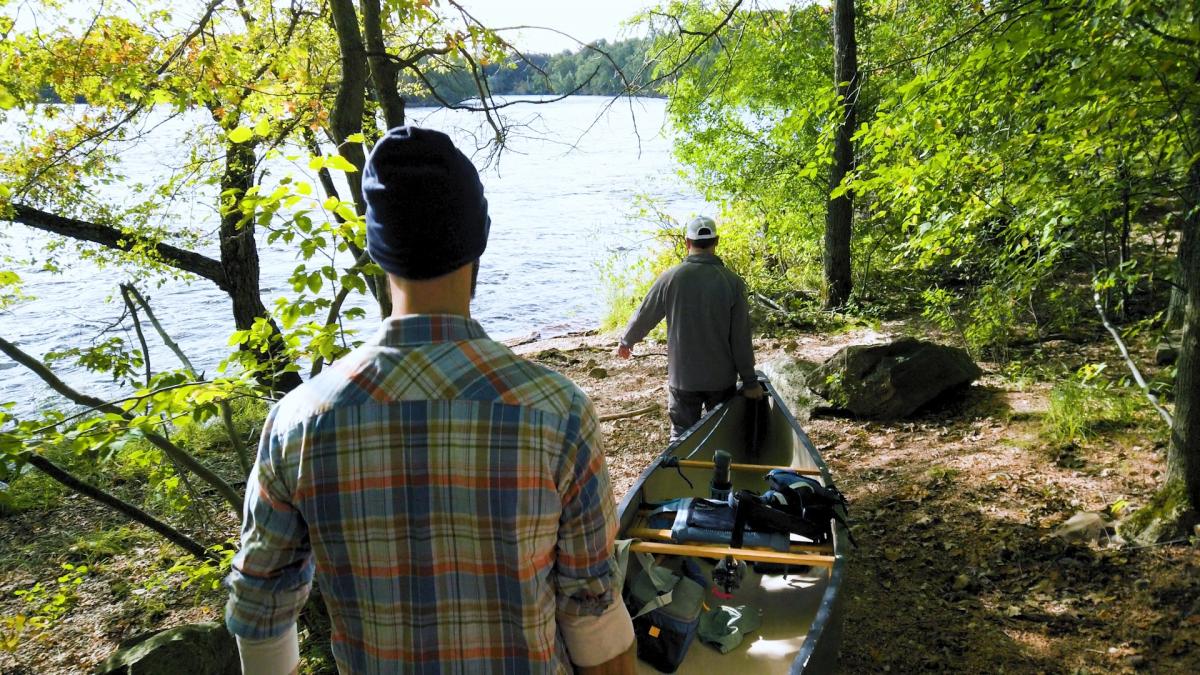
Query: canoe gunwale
{"x": 828, "y": 618}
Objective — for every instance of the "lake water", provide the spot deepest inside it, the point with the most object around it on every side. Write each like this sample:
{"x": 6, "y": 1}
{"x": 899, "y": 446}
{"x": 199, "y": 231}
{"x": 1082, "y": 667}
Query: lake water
{"x": 562, "y": 196}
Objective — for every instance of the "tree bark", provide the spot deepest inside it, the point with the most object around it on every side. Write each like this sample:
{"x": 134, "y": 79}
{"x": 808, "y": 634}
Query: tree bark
{"x": 839, "y": 213}
{"x": 239, "y": 257}
{"x": 239, "y": 252}
{"x": 1177, "y": 304}
{"x": 1183, "y": 456}
{"x": 346, "y": 118}
{"x": 135, "y": 514}
{"x": 383, "y": 68}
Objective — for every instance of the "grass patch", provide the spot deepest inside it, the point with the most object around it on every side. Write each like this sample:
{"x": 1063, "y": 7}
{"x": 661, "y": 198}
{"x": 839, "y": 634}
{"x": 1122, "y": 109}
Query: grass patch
{"x": 940, "y": 476}
{"x": 29, "y": 490}
{"x": 626, "y": 283}
{"x": 97, "y": 545}
{"x": 1081, "y": 409}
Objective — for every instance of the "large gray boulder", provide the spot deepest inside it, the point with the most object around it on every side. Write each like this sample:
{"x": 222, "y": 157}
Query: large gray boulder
{"x": 891, "y": 381}
{"x": 788, "y": 375}
{"x": 195, "y": 649}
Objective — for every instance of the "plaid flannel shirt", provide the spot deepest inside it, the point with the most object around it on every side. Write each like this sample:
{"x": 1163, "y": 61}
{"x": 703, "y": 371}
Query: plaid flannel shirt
{"x": 452, "y": 497}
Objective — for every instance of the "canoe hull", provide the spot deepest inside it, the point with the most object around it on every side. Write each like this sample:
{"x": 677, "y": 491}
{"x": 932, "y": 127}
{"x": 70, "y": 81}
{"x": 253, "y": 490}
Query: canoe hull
{"x": 802, "y": 610}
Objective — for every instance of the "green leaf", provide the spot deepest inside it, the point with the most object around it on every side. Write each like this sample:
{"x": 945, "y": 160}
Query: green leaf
{"x": 346, "y": 211}
{"x": 356, "y": 138}
{"x": 340, "y": 163}
{"x": 240, "y": 134}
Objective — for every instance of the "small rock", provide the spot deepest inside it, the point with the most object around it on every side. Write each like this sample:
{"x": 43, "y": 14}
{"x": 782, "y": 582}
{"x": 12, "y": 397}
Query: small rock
{"x": 1084, "y": 526}
{"x": 1136, "y": 661}
{"x": 197, "y": 649}
{"x": 598, "y": 372}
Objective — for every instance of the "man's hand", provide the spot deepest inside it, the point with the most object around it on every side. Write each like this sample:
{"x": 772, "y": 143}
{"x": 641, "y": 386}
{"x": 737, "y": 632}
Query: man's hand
{"x": 754, "y": 391}
{"x": 623, "y": 351}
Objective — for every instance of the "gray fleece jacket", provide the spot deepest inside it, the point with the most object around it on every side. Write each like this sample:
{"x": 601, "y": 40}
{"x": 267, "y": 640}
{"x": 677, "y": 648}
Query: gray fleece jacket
{"x": 708, "y": 324}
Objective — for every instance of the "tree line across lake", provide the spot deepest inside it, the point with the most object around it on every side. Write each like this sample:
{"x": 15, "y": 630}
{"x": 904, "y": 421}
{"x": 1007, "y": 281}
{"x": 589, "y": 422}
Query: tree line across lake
{"x": 601, "y": 68}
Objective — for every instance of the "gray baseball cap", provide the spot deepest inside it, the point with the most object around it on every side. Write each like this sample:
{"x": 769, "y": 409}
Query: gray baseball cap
{"x": 701, "y": 228}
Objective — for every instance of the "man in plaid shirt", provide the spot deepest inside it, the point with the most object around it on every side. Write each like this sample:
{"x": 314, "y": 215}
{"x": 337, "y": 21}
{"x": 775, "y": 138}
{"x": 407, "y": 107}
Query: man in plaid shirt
{"x": 451, "y": 498}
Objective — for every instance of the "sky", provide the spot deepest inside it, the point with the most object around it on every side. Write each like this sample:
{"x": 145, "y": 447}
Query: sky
{"x": 586, "y": 20}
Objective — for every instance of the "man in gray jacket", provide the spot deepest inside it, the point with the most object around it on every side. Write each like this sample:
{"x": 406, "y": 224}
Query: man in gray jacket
{"x": 708, "y": 330}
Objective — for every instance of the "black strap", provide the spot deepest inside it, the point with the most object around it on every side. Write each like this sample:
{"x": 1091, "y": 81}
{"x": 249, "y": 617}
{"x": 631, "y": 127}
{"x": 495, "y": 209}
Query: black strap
{"x": 750, "y": 508}
{"x": 739, "y": 520}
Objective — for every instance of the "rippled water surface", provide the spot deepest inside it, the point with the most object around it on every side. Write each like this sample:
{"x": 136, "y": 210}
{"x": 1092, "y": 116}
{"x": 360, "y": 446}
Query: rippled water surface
{"x": 562, "y": 197}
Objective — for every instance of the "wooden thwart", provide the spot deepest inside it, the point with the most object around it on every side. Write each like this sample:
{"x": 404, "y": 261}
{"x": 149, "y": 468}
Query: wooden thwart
{"x": 707, "y": 464}
{"x": 665, "y": 536}
{"x": 718, "y": 552}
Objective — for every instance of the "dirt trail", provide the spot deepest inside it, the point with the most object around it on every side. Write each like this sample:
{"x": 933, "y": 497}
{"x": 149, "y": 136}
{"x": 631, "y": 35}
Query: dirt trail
{"x": 956, "y": 569}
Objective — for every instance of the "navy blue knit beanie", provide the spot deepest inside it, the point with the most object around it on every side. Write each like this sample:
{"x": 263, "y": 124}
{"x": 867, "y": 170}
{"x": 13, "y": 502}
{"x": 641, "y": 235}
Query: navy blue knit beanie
{"x": 426, "y": 215}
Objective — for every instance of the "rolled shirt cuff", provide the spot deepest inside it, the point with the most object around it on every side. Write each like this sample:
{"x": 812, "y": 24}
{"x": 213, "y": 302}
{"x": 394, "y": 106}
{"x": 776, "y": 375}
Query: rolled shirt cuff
{"x": 595, "y": 639}
{"x": 272, "y": 656}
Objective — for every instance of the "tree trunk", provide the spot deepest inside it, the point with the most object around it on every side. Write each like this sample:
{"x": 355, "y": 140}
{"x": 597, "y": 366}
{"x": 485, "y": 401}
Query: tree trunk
{"x": 1177, "y": 304}
{"x": 239, "y": 258}
{"x": 839, "y": 214}
{"x": 383, "y": 69}
{"x": 1183, "y": 456}
{"x": 346, "y": 118}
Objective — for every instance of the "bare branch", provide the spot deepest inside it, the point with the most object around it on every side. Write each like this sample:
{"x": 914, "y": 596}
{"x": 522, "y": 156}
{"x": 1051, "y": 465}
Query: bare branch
{"x": 159, "y": 441}
{"x": 111, "y": 237}
{"x": 132, "y": 512}
{"x": 201, "y": 24}
{"x": 629, "y": 413}
{"x": 1137, "y": 374}
{"x": 137, "y": 326}
{"x": 705, "y": 36}
{"x": 1004, "y": 12}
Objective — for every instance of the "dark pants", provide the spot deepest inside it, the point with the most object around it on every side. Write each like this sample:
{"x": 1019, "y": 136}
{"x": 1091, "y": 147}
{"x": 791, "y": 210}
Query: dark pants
{"x": 684, "y": 407}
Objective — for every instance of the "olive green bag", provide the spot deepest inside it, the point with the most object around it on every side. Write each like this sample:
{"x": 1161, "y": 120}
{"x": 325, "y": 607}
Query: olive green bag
{"x": 665, "y": 603}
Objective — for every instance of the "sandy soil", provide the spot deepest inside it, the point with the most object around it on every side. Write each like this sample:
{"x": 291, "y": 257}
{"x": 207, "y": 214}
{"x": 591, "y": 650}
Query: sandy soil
{"x": 956, "y": 568}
